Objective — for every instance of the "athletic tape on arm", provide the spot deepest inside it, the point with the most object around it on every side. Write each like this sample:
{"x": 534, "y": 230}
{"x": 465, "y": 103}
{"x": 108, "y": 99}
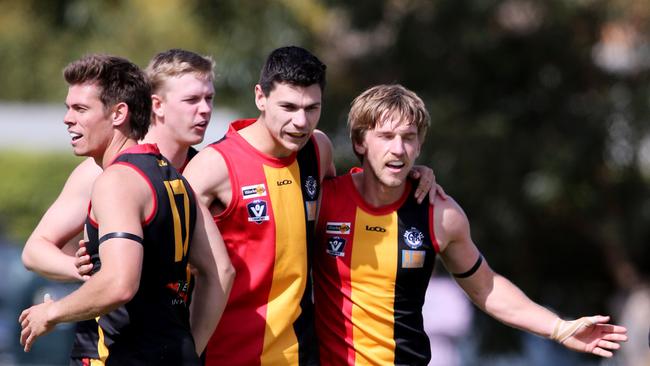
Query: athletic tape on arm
{"x": 564, "y": 329}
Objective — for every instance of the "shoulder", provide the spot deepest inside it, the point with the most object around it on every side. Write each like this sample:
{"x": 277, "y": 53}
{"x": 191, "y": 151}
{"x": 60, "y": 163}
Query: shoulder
{"x": 323, "y": 143}
{"x": 449, "y": 221}
{"x": 324, "y": 148}
{"x": 122, "y": 180}
{"x": 208, "y": 164}
{"x": 82, "y": 177}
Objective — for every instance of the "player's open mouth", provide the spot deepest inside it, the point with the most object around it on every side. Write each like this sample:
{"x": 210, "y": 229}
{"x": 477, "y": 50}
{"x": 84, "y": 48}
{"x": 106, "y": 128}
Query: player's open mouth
{"x": 296, "y": 135}
{"x": 395, "y": 164}
{"x": 75, "y": 136}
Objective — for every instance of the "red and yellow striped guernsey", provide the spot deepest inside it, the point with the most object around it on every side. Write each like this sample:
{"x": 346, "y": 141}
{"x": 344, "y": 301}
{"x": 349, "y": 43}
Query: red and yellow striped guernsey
{"x": 371, "y": 270}
{"x": 268, "y": 319}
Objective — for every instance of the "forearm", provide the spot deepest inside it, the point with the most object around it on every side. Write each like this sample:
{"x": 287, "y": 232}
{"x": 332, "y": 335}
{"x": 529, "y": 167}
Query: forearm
{"x": 48, "y": 260}
{"x": 210, "y": 298}
{"x": 99, "y": 295}
{"x": 508, "y": 304}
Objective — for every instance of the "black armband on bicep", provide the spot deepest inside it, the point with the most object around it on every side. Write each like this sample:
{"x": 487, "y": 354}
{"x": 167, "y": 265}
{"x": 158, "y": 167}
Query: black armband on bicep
{"x": 121, "y": 235}
{"x": 471, "y": 270}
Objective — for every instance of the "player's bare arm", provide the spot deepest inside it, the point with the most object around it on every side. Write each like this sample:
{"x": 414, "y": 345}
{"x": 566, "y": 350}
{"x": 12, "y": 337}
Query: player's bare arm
{"x": 504, "y": 301}
{"x": 62, "y": 222}
{"x": 119, "y": 190}
{"x": 214, "y": 278}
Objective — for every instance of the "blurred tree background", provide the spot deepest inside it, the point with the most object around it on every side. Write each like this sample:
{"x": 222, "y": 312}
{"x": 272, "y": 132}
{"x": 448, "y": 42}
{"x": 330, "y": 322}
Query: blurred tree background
{"x": 540, "y": 109}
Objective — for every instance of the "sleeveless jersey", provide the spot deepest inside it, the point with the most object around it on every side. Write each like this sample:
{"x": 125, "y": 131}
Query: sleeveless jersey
{"x": 267, "y": 227}
{"x": 153, "y": 328}
{"x": 371, "y": 270}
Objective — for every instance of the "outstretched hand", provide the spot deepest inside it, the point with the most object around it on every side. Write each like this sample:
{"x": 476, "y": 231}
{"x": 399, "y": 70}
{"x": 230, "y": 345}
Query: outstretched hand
{"x": 426, "y": 184}
{"x": 591, "y": 335}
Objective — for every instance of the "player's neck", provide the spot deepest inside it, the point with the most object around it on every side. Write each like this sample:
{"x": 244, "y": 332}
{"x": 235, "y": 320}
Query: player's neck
{"x": 118, "y": 144}
{"x": 374, "y": 192}
{"x": 171, "y": 149}
{"x": 259, "y": 137}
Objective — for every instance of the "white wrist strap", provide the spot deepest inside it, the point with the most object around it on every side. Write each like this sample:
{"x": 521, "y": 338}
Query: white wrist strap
{"x": 564, "y": 329}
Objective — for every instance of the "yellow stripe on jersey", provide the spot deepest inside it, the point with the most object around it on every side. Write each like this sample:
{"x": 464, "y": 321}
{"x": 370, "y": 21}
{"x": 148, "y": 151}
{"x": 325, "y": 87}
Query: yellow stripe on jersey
{"x": 280, "y": 343}
{"x": 102, "y": 350}
{"x": 372, "y": 301}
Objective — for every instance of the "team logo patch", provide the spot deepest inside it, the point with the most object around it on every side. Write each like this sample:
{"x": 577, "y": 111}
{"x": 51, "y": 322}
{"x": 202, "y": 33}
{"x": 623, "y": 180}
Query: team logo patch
{"x": 257, "y": 211}
{"x": 310, "y": 186}
{"x": 254, "y": 191}
{"x": 336, "y": 246}
{"x": 337, "y": 228}
{"x": 413, "y": 258}
{"x": 413, "y": 238}
{"x": 377, "y": 229}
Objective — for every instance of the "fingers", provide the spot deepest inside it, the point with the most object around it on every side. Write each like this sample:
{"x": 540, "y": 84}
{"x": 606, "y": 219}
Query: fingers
{"x": 29, "y": 342}
{"x": 608, "y": 345}
{"x": 84, "y": 270}
{"x": 436, "y": 191}
{"x": 602, "y": 353}
{"x": 23, "y": 315}
{"x": 618, "y": 337}
{"x": 415, "y": 174}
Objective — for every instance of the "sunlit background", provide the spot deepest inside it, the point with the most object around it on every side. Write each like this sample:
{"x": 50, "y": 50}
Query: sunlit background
{"x": 540, "y": 130}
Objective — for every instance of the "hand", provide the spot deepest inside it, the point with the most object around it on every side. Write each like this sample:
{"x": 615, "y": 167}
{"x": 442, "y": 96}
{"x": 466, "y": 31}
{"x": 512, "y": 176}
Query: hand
{"x": 426, "y": 184}
{"x": 34, "y": 323}
{"x": 591, "y": 335}
{"x": 82, "y": 261}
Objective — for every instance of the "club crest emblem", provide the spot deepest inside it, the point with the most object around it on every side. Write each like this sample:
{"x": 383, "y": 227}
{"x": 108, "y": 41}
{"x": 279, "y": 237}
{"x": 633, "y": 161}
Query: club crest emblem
{"x": 413, "y": 238}
{"x": 311, "y": 186}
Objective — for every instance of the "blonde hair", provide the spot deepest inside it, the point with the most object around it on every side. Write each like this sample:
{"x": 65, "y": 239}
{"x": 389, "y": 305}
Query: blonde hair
{"x": 175, "y": 62}
{"x": 369, "y": 108}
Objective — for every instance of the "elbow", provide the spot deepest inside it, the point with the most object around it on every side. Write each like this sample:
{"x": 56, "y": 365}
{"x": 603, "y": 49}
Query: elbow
{"x": 27, "y": 258}
{"x": 227, "y": 274}
{"x": 121, "y": 292}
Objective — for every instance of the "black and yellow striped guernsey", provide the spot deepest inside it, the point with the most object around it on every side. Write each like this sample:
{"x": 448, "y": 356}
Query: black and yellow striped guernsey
{"x": 153, "y": 328}
{"x": 371, "y": 270}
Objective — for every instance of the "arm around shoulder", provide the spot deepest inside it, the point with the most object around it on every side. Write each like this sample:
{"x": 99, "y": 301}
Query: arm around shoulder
{"x": 62, "y": 222}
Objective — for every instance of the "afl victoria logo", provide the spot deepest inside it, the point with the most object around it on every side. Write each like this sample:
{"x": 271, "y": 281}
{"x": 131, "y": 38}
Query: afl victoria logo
{"x": 257, "y": 211}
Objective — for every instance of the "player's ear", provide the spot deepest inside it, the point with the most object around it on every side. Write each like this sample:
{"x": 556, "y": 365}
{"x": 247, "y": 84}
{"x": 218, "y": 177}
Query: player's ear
{"x": 157, "y": 105}
{"x": 260, "y": 98}
{"x": 359, "y": 148}
{"x": 119, "y": 114}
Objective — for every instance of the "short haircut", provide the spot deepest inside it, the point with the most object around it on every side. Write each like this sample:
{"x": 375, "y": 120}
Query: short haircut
{"x": 292, "y": 65}
{"x": 378, "y": 102}
{"x": 118, "y": 80}
{"x": 177, "y": 62}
